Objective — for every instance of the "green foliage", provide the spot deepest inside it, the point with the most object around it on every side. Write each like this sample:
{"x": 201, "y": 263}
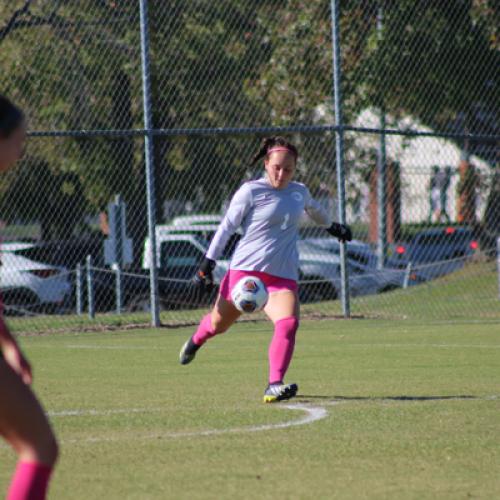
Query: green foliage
{"x": 54, "y": 199}
{"x": 76, "y": 65}
{"x": 433, "y": 62}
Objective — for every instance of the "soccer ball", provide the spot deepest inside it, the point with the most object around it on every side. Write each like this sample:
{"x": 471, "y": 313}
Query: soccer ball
{"x": 249, "y": 294}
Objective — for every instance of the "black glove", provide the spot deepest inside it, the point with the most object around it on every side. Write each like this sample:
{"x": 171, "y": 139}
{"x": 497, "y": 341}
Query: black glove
{"x": 341, "y": 231}
{"x": 204, "y": 278}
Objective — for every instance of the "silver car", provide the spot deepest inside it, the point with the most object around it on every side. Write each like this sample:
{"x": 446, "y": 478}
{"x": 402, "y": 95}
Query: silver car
{"x": 29, "y": 285}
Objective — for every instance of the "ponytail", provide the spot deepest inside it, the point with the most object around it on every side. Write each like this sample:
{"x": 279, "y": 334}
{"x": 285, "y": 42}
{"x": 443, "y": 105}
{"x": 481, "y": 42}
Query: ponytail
{"x": 270, "y": 142}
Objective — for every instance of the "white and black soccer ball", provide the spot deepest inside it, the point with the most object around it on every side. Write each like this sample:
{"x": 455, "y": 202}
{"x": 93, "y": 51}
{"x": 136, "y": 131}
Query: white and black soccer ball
{"x": 249, "y": 294}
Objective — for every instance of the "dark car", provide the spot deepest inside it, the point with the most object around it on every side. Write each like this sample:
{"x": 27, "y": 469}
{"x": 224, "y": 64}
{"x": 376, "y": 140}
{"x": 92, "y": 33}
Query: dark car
{"x": 438, "y": 251}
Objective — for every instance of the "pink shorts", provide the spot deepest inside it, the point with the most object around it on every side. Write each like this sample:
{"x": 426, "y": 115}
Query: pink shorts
{"x": 273, "y": 283}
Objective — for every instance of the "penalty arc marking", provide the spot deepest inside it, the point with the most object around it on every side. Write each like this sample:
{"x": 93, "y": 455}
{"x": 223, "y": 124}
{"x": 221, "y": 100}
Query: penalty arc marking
{"x": 312, "y": 414}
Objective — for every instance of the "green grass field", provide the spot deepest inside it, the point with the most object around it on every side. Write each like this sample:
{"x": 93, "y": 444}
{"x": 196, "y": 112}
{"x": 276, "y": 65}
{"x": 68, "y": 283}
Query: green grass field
{"x": 403, "y": 409}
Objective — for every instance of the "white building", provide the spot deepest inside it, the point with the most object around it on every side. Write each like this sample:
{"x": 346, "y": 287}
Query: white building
{"x": 417, "y": 156}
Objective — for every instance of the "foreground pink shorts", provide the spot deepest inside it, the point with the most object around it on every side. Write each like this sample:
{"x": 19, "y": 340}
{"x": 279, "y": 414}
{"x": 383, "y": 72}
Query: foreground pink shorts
{"x": 273, "y": 283}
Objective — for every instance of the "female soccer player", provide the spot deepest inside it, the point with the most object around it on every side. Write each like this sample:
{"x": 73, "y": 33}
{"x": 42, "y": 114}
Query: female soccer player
{"x": 268, "y": 210}
{"x": 22, "y": 420}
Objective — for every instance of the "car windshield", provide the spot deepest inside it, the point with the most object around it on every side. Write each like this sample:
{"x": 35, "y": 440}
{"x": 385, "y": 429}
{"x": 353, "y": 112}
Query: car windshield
{"x": 179, "y": 253}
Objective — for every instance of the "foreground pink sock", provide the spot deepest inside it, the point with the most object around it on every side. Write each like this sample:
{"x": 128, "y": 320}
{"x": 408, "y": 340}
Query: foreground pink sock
{"x": 30, "y": 481}
{"x": 281, "y": 348}
{"x": 205, "y": 331}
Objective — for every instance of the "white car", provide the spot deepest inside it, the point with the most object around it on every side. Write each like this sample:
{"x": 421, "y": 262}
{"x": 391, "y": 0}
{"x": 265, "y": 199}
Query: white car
{"x": 357, "y": 250}
{"x": 363, "y": 279}
{"x": 27, "y": 284}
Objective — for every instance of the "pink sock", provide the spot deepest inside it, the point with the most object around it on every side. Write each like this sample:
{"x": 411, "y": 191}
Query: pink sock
{"x": 281, "y": 348}
{"x": 30, "y": 481}
{"x": 205, "y": 331}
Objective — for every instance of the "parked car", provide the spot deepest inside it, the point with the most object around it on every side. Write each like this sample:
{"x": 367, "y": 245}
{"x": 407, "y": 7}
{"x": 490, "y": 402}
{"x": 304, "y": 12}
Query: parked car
{"x": 184, "y": 252}
{"x": 27, "y": 285}
{"x": 363, "y": 279}
{"x": 67, "y": 254}
{"x": 357, "y": 251}
{"x": 319, "y": 270}
{"x": 436, "y": 252}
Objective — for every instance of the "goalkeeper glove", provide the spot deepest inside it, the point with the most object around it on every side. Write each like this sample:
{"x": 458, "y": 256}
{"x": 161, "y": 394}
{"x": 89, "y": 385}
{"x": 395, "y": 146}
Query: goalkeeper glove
{"x": 341, "y": 231}
{"x": 204, "y": 278}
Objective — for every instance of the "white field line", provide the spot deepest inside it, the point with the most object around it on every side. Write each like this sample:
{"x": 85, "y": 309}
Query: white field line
{"x": 312, "y": 414}
{"x": 113, "y": 347}
{"x": 100, "y": 413}
{"x": 447, "y": 346}
{"x": 335, "y": 343}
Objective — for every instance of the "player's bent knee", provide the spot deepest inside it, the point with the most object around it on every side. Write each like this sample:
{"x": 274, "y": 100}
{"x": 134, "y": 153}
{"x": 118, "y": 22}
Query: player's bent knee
{"x": 47, "y": 449}
{"x": 44, "y": 449}
{"x": 53, "y": 451}
{"x": 220, "y": 324}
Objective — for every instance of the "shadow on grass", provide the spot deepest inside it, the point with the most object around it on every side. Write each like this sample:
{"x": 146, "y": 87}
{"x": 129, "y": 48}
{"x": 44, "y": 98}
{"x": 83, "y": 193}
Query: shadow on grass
{"x": 306, "y": 398}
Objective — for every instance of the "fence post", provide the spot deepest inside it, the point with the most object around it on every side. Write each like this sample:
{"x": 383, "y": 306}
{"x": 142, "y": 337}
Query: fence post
{"x": 498, "y": 265}
{"x": 381, "y": 173}
{"x": 148, "y": 156}
{"x": 406, "y": 280}
{"x": 79, "y": 290}
{"x": 90, "y": 288}
{"x": 118, "y": 283}
{"x": 339, "y": 150}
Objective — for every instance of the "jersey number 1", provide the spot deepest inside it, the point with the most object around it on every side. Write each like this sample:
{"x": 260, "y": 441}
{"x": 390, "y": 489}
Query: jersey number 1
{"x": 285, "y": 221}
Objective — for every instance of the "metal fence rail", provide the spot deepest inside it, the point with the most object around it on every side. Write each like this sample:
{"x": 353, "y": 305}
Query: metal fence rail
{"x": 394, "y": 107}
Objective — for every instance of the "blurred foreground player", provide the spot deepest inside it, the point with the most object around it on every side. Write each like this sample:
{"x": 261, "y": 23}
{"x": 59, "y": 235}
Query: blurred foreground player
{"x": 23, "y": 422}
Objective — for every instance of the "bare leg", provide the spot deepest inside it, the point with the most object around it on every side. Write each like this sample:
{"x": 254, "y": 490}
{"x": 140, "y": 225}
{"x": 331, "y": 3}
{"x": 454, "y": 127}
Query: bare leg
{"x": 24, "y": 425}
{"x": 222, "y": 316}
{"x": 23, "y": 422}
{"x": 282, "y": 305}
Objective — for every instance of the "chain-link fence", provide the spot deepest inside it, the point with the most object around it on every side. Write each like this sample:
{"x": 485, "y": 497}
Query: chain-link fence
{"x": 420, "y": 92}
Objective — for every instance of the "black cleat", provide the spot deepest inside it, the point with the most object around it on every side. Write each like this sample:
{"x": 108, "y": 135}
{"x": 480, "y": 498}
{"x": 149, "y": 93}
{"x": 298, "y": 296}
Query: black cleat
{"x": 280, "y": 392}
{"x": 188, "y": 352}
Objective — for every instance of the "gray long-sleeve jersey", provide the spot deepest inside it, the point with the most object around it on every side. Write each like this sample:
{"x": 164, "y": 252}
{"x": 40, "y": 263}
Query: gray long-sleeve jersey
{"x": 269, "y": 218}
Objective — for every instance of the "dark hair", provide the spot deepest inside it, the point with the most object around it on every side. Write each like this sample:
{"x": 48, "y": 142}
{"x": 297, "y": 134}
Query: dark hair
{"x": 11, "y": 117}
{"x": 270, "y": 142}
